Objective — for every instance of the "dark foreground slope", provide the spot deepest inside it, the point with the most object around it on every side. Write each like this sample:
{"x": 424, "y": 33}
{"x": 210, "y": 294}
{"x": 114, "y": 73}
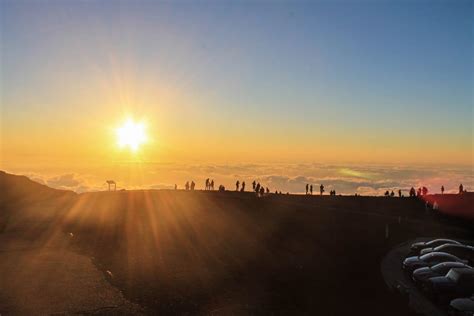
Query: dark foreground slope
{"x": 40, "y": 274}
{"x": 179, "y": 252}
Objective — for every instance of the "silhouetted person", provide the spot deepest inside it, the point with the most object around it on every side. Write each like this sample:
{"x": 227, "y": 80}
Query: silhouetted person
{"x": 442, "y": 189}
{"x": 392, "y": 194}
{"x": 387, "y": 193}
{"x": 254, "y": 185}
{"x": 212, "y": 185}
{"x": 257, "y": 188}
{"x": 268, "y": 190}
{"x": 207, "y": 184}
{"x": 243, "y": 186}
{"x": 192, "y": 185}
{"x": 176, "y": 187}
{"x": 461, "y": 189}
{"x": 399, "y": 193}
{"x": 321, "y": 189}
{"x": 334, "y": 192}
{"x": 307, "y": 188}
{"x": 412, "y": 192}
{"x": 418, "y": 193}
{"x": 237, "y": 184}
{"x": 187, "y": 185}
{"x": 424, "y": 190}
{"x": 262, "y": 191}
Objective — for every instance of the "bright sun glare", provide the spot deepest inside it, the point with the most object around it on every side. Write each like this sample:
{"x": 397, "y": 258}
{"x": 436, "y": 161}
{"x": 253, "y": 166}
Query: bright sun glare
{"x": 131, "y": 134}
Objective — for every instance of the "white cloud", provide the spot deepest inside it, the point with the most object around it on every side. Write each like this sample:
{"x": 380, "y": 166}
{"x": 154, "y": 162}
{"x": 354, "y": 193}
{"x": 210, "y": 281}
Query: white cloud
{"x": 361, "y": 179}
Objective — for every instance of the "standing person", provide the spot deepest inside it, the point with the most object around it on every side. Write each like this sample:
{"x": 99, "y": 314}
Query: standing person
{"x": 187, "y": 185}
{"x": 257, "y": 188}
{"x": 268, "y": 190}
{"x": 176, "y": 187}
{"x": 243, "y": 186}
{"x": 311, "y": 189}
{"x": 212, "y": 185}
{"x": 307, "y": 188}
{"x": 399, "y": 193}
{"x": 207, "y": 184}
{"x": 321, "y": 189}
{"x": 254, "y": 184}
{"x": 237, "y": 184}
{"x": 262, "y": 190}
{"x": 425, "y": 190}
{"x": 192, "y": 185}
{"x": 442, "y": 189}
{"x": 418, "y": 193}
{"x": 461, "y": 189}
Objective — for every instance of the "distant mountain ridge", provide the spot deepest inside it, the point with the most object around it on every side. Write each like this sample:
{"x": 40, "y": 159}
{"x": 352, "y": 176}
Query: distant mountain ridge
{"x": 20, "y": 189}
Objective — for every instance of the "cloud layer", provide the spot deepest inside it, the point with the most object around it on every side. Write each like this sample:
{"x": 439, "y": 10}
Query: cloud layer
{"x": 361, "y": 179}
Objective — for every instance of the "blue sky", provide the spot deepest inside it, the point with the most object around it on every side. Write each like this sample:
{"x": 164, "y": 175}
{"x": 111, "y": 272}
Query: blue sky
{"x": 373, "y": 70}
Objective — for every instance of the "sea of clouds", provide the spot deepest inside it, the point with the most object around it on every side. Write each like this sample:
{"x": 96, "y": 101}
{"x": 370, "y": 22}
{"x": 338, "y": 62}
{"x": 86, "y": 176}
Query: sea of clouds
{"x": 287, "y": 177}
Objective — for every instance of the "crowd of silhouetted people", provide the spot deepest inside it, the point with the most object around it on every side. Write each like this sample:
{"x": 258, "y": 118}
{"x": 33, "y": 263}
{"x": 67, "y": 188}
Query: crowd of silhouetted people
{"x": 260, "y": 190}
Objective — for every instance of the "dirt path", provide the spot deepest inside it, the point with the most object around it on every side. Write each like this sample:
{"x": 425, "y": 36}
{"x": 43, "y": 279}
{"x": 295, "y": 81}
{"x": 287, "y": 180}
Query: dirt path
{"x": 43, "y": 276}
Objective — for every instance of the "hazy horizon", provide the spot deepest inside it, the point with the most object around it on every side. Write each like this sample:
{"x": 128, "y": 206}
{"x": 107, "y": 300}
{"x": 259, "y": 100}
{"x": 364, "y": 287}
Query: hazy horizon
{"x": 285, "y": 177}
{"x": 266, "y": 83}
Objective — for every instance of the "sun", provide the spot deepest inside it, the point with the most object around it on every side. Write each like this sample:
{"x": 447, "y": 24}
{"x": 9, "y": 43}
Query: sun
{"x": 131, "y": 134}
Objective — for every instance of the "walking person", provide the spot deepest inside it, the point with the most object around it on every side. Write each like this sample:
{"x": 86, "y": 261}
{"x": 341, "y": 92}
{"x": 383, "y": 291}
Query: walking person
{"x": 311, "y": 189}
{"x": 442, "y": 189}
{"x": 243, "y": 187}
{"x": 254, "y": 184}
{"x": 237, "y": 184}
{"x": 321, "y": 189}
{"x": 307, "y": 188}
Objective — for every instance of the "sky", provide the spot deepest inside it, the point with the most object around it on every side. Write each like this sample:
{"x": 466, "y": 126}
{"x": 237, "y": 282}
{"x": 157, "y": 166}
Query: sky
{"x": 348, "y": 83}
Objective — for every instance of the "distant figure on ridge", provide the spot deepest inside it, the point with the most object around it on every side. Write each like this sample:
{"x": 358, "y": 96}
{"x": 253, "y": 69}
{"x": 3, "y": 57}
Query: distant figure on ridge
{"x": 187, "y": 185}
{"x": 262, "y": 190}
{"x": 254, "y": 185}
{"x": 237, "y": 184}
{"x": 192, "y": 185}
{"x": 307, "y": 188}
{"x": 207, "y": 184}
{"x": 399, "y": 193}
{"x": 176, "y": 187}
{"x": 257, "y": 188}
{"x": 387, "y": 193}
{"x": 243, "y": 186}
{"x": 392, "y": 194}
{"x": 442, "y": 189}
{"x": 412, "y": 192}
{"x": 461, "y": 189}
{"x": 418, "y": 193}
{"x": 424, "y": 190}
{"x": 268, "y": 190}
{"x": 311, "y": 189}
{"x": 321, "y": 189}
